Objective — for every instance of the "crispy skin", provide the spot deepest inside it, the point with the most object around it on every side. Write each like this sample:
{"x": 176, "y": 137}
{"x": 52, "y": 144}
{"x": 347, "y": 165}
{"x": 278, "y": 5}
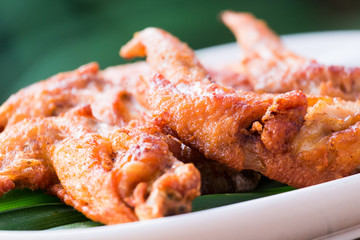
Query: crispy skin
{"x": 211, "y": 118}
{"x": 112, "y": 175}
{"x": 245, "y": 130}
{"x": 116, "y": 95}
{"x": 274, "y": 69}
{"x": 227, "y": 77}
{"x": 216, "y": 177}
{"x": 68, "y": 155}
{"x": 133, "y": 77}
{"x": 109, "y": 102}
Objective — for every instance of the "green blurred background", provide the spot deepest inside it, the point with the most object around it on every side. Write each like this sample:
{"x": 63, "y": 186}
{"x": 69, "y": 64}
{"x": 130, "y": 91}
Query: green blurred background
{"x": 39, "y": 38}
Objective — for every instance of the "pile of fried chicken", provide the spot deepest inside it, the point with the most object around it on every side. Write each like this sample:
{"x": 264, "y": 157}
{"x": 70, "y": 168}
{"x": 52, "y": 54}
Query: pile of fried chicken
{"x": 142, "y": 140}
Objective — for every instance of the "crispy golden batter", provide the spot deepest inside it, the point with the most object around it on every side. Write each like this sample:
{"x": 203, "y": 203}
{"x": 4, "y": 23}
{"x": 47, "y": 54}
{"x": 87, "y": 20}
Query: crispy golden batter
{"x": 246, "y": 130}
{"x": 273, "y": 68}
{"x": 110, "y": 174}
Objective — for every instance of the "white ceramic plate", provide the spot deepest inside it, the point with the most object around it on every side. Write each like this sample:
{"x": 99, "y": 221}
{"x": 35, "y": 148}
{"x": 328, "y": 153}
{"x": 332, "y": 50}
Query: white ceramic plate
{"x": 331, "y": 209}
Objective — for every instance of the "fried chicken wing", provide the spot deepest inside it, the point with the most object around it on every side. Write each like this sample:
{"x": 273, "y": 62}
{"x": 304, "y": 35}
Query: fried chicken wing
{"x": 211, "y": 118}
{"x": 111, "y": 174}
{"x": 216, "y": 177}
{"x": 271, "y": 67}
{"x": 116, "y": 95}
{"x": 65, "y": 91}
{"x": 245, "y": 130}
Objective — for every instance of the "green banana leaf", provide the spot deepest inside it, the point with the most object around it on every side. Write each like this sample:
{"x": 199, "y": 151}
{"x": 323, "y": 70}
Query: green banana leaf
{"x": 23, "y": 209}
